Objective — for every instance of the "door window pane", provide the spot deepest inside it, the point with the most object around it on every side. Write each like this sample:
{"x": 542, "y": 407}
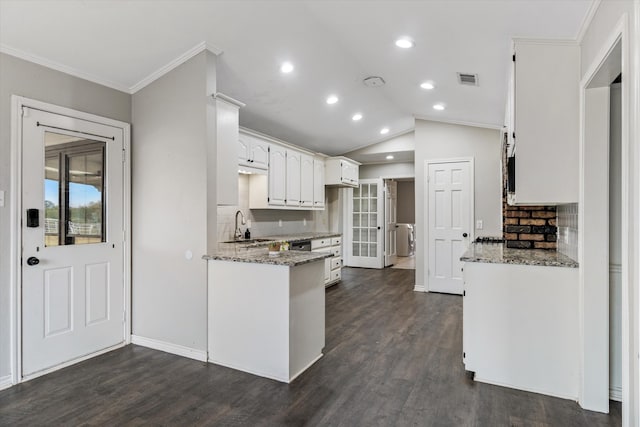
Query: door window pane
{"x": 74, "y": 190}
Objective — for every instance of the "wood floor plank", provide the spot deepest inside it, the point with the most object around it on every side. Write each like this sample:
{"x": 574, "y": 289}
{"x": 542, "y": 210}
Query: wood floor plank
{"x": 392, "y": 358}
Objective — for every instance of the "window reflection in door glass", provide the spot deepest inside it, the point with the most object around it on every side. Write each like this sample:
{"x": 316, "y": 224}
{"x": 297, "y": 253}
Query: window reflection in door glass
{"x": 74, "y": 190}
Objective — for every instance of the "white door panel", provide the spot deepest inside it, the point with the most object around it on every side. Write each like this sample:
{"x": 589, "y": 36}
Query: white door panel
{"x": 390, "y": 220}
{"x": 450, "y": 224}
{"x": 73, "y": 298}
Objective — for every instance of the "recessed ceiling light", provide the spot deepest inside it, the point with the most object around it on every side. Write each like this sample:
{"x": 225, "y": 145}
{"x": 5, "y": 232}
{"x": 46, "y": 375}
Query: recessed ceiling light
{"x": 389, "y": 157}
{"x": 427, "y": 85}
{"x": 286, "y": 67}
{"x": 356, "y": 117}
{"x": 332, "y": 99}
{"x": 384, "y": 131}
{"x": 438, "y": 107}
{"x": 404, "y": 43}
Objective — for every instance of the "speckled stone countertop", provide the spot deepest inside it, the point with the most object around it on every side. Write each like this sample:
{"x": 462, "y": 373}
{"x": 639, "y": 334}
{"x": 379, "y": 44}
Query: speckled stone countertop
{"x": 500, "y": 254}
{"x": 260, "y": 255}
{"x": 302, "y": 236}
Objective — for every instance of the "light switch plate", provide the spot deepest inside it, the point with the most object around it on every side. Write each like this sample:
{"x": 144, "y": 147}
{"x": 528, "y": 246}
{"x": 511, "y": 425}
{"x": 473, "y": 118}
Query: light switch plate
{"x": 2, "y": 199}
{"x": 479, "y": 224}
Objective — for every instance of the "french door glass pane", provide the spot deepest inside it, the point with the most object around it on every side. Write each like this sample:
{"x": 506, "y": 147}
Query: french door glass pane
{"x": 356, "y": 249}
{"x": 52, "y": 201}
{"x": 86, "y": 185}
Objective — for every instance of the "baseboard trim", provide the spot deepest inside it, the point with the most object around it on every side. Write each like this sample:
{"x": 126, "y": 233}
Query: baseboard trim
{"x": 529, "y": 389}
{"x": 615, "y": 393}
{"x": 167, "y": 347}
{"x": 282, "y": 379}
{"x": 5, "y": 382}
{"x": 420, "y": 288}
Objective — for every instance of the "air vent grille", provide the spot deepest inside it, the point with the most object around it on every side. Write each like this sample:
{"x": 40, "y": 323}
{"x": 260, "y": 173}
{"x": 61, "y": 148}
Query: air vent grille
{"x": 468, "y": 79}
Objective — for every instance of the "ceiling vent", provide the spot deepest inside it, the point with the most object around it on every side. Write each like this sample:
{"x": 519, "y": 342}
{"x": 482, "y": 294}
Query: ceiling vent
{"x": 468, "y": 79}
{"x": 374, "y": 81}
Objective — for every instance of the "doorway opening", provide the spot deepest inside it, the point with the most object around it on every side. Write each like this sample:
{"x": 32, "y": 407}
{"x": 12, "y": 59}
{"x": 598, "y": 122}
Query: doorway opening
{"x": 405, "y": 235}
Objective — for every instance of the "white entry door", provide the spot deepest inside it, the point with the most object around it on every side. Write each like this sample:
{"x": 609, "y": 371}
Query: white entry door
{"x": 390, "y": 220}
{"x": 450, "y": 223}
{"x": 366, "y": 219}
{"x": 72, "y": 237}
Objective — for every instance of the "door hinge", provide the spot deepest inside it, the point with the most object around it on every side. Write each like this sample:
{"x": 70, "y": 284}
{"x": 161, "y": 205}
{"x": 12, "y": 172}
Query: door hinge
{"x": 124, "y": 156}
{"x": 124, "y": 316}
{"x": 514, "y": 135}
{"x": 514, "y": 57}
{"x": 464, "y": 355}
{"x": 428, "y": 178}
{"x": 464, "y": 293}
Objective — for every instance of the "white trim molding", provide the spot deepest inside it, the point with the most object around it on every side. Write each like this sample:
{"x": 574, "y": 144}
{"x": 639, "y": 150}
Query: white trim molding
{"x": 167, "y": 347}
{"x": 5, "y": 382}
{"x": 586, "y": 22}
{"x": 458, "y": 122}
{"x": 200, "y": 47}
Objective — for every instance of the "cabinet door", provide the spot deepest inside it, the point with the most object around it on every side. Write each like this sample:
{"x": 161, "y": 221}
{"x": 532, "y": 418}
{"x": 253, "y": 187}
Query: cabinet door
{"x": 350, "y": 173}
{"x": 243, "y": 150}
{"x": 306, "y": 180}
{"x": 277, "y": 175}
{"x": 318, "y": 183}
{"x": 327, "y": 270}
{"x": 259, "y": 154}
{"x": 293, "y": 178}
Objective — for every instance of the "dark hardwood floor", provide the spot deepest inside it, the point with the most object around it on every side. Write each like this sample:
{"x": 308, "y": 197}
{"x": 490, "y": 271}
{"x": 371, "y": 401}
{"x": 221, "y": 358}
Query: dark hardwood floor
{"x": 392, "y": 358}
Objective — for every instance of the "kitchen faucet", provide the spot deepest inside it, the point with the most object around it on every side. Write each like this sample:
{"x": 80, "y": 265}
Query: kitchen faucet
{"x": 238, "y": 232}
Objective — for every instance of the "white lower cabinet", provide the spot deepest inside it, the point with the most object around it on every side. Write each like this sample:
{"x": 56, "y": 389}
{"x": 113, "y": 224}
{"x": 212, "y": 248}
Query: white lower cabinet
{"x": 332, "y": 266}
{"x": 520, "y": 327}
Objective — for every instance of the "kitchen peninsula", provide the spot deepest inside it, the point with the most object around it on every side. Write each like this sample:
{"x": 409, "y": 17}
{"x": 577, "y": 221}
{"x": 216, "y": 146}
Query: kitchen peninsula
{"x": 266, "y": 313}
{"x": 520, "y": 318}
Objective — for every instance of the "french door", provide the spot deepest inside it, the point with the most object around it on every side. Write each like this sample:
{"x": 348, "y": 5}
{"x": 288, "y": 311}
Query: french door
{"x": 390, "y": 221}
{"x": 72, "y": 237}
{"x": 366, "y": 216}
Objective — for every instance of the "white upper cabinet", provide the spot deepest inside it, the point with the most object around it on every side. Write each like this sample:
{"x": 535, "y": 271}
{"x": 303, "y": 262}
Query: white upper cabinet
{"x": 253, "y": 152}
{"x": 306, "y": 180}
{"x": 293, "y": 178}
{"x": 318, "y": 182}
{"x": 277, "y": 175}
{"x": 342, "y": 172}
{"x": 545, "y": 122}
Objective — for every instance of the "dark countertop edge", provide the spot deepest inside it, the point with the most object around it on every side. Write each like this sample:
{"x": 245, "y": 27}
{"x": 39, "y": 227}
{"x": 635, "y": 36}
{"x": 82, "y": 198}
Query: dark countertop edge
{"x": 292, "y": 238}
{"x": 566, "y": 264}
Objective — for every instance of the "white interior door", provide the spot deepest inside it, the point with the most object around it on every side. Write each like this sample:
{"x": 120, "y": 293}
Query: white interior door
{"x": 72, "y": 235}
{"x": 366, "y": 219}
{"x": 390, "y": 220}
{"x": 450, "y": 223}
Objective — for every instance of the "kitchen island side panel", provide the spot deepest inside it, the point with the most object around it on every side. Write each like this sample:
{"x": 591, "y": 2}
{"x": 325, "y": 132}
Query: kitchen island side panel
{"x": 521, "y": 327}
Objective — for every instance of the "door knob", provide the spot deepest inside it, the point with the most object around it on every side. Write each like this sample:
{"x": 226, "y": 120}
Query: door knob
{"x": 33, "y": 260}
{"x": 464, "y": 234}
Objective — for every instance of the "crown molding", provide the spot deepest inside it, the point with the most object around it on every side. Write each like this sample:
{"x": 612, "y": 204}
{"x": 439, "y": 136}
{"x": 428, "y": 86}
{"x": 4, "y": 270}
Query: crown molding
{"x": 62, "y": 68}
{"x": 593, "y": 8}
{"x": 460, "y": 122}
{"x": 200, "y": 47}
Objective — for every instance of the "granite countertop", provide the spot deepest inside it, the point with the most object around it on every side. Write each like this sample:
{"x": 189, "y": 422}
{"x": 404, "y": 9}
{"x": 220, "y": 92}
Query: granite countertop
{"x": 292, "y": 238}
{"x": 500, "y": 254}
{"x": 260, "y": 255}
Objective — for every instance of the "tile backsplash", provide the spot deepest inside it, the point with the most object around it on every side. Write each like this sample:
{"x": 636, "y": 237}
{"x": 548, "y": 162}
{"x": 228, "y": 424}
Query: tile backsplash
{"x": 568, "y": 230}
{"x": 266, "y": 222}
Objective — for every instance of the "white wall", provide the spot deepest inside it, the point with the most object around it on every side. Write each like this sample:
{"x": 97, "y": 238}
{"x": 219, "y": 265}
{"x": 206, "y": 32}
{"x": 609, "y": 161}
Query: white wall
{"x": 606, "y": 18}
{"x": 171, "y": 187}
{"x": 387, "y": 170}
{"x": 437, "y": 140}
{"x": 24, "y": 78}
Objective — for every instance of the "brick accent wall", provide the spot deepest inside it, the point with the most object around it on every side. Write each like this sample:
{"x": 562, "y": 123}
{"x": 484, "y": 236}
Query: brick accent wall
{"x": 527, "y": 227}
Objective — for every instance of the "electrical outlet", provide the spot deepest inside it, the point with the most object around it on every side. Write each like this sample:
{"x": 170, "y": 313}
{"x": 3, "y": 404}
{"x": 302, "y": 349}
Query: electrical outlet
{"x": 279, "y": 223}
{"x": 479, "y": 224}
{"x": 304, "y": 221}
{"x": 1, "y": 199}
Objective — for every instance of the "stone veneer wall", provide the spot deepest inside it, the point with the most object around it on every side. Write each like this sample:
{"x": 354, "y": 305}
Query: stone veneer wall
{"x": 527, "y": 227}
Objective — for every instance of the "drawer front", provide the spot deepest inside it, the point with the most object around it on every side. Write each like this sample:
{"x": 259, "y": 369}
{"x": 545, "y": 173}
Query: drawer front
{"x": 320, "y": 243}
{"x": 336, "y": 250}
{"x": 336, "y": 275}
{"x": 336, "y": 263}
{"x": 336, "y": 241}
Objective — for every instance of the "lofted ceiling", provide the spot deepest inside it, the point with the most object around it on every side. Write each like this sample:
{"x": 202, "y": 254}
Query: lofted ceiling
{"x": 333, "y": 46}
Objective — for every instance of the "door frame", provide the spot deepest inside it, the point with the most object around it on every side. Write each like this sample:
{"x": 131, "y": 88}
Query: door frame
{"x": 348, "y": 212}
{"x": 594, "y": 364}
{"x": 425, "y": 243}
{"x": 15, "y": 265}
